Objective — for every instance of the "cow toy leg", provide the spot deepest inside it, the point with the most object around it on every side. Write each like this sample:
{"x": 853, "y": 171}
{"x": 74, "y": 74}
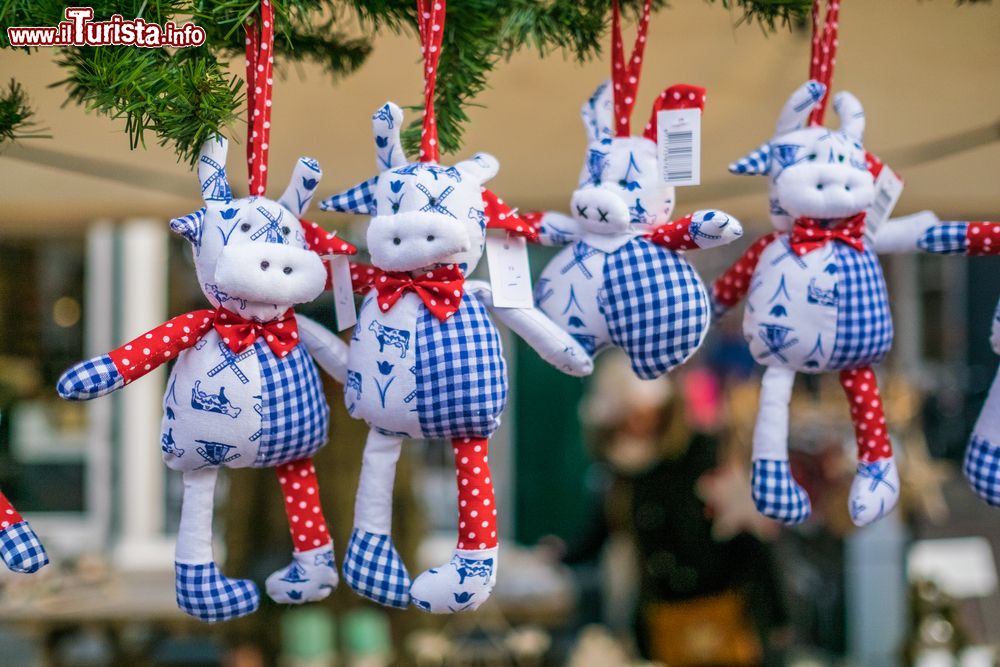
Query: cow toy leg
{"x": 775, "y": 492}
{"x": 875, "y": 489}
{"x": 20, "y": 548}
{"x": 465, "y": 582}
{"x": 372, "y": 566}
{"x": 982, "y": 458}
{"x": 202, "y": 590}
{"x": 312, "y": 574}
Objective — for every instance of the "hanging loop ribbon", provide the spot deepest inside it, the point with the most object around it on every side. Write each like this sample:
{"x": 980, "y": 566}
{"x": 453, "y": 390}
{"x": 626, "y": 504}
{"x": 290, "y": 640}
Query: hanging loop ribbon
{"x": 625, "y": 77}
{"x": 430, "y": 20}
{"x": 260, "y": 72}
{"x": 824, "y": 54}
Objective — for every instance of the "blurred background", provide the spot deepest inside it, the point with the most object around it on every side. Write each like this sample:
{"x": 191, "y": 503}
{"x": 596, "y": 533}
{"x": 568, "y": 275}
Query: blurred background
{"x": 628, "y": 533}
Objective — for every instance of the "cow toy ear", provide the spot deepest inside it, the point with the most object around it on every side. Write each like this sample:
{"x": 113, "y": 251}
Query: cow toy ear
{"x": 755, "y": 163}
{"x": 302, "y": 186}
{"x": 800, "y": 104}
{"x": 386, "y": 122}
{"x": 482, "y": 167}
{"x": 190, "y": 226}
{"x": 597, "y": 112}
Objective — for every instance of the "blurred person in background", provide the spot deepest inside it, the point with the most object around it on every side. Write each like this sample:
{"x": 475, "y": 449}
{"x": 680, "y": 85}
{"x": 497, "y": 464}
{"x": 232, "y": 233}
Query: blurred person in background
{"x": 687, "y": 591}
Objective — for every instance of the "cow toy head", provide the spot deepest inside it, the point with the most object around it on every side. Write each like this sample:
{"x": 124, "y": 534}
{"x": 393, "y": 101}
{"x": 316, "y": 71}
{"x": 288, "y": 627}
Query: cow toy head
{"x": 252, "y": 255}
{"x": 814, "y": 172}
{"x": 620, "y": 189}
{"x": 423, "y": 214}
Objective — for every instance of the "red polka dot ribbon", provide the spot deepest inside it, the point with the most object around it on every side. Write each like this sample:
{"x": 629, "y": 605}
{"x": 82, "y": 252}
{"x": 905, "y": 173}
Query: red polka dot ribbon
{"x": 440, "y": 289}
{"x": 824, "y": 53}
{"x": 260, "y": 72}
{"x": 430, "y": 20}
{"x": 983, "y": 238}
{"x": 808, "y": 234}
{"x": 625, "y": 76}
{"x": 281, "y": 335}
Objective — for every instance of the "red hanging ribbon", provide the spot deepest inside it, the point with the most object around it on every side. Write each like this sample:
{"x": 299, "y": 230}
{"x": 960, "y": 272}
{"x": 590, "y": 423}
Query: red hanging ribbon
{"x": 430, "y": 19}
{"x": 824, "y": 54}
{"x": 625, "y": 78}
{"x": 260, "y": 72}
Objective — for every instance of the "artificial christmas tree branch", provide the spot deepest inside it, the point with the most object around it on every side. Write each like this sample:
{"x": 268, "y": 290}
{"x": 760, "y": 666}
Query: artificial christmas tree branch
{"x": 183, "y": 96}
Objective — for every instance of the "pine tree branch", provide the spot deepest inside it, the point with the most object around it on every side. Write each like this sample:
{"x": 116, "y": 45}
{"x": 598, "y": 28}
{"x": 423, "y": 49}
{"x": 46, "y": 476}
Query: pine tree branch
{"x": 16, "y": 116}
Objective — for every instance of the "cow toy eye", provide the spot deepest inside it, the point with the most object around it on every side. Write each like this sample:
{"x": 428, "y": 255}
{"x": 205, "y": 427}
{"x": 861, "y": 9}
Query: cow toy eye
{"x": 840, "y": 158}
{"x": 812, "y": 157}
{"x": 286, "y": 230}
{"x": 245, "y": 227}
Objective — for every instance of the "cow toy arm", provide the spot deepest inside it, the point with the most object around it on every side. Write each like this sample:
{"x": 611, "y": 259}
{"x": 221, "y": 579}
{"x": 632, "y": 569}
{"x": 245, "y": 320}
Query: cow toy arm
{"x": 730, "y": 288}
{"x": 112, "y": 371}
{"x": 552, "y": 343}
{"x": 923, "y": 232}
{"x": 703, "y": 229}
{"x": 554, "y": 228}
{"x": 325, "y": 347}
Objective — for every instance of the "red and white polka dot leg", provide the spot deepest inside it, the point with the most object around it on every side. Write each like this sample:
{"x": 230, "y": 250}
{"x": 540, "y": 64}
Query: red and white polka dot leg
{"x": 8, "y": 515}
{"x": 305, "y": 514}
{"x": 477, "y": 513}
{"x": 870, "y": 430}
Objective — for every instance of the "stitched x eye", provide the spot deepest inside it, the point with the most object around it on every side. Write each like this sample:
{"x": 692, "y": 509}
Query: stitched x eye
{"x": 582, "y": 210}
{"x": 245, "y": 227}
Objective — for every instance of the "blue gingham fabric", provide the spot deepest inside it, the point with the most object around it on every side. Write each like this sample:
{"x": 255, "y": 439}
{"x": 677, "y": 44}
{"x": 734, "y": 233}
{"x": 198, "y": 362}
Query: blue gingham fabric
{"x": 359, "y": 199}
{"x": 208, "y": 595}
{"x": 90, "y": 379}
{"x": 295, "y": 415}
{"x": 461, "y": 374}
{"x": 864, "y": 323}
{"x": 373, "y": 569}
{"x": 776, "y": 493}
{"x": 21, "y": 549}
{"x": 656, "y": 306}
{"x": 757, "y": 161}
{"x": 982, "y": 469}
{"x": 947, "y": 238}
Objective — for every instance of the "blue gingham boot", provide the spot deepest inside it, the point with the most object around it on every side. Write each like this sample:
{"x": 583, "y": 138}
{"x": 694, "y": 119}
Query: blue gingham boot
{"x": 373, "y": 569}
{"x": 208, "y": 595}
{"x": 776, "y": 493}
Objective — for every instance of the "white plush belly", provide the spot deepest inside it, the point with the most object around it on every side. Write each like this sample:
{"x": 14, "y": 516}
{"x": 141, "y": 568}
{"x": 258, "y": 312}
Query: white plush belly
{"x": 381, "y": 384}
{"x": 569, "y": 292}
{"x": 790, "y": 318}
{"x": 210, "y": 409}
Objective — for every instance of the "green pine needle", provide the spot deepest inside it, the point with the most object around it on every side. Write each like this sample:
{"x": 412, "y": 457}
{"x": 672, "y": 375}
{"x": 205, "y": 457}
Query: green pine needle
{"x": 16, "y": 116}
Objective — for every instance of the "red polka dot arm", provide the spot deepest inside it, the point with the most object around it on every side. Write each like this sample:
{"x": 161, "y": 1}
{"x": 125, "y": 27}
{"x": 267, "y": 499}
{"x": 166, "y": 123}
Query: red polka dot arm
{"x": 160, "y": 345}
{"x": 300, "y": 489}
{"x": 867, "y": 415}
{"x": 477, "y": 512}
{"x": 8, "y": 515}
{"x": 730, "y": 288}
{"x": 674, "y": 235}
{"x": 983, "y": 238}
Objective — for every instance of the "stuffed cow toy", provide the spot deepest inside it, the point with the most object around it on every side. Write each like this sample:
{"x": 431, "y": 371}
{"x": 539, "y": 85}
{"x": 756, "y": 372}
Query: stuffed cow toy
{"x": 426, "y": 361}
{"x": 622, "y": 279}
{"x": 816, "y": 300}
{"x": 243, "y": 391}
{"x": 924, "y": 232}
{"x": 20, "y": 547}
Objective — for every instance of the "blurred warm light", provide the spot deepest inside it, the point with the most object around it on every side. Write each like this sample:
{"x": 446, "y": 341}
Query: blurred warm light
{"x": 66, "y": 311}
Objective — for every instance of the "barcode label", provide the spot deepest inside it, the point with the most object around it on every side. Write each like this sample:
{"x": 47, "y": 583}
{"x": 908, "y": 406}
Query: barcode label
{"x": 888, "y": 189}
{"x": 679, "y": 146}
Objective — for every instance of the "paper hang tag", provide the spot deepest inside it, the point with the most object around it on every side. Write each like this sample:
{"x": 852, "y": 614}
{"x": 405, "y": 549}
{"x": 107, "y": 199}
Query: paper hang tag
{"x": 510, "y": 275}
{"x": 343, "y": 291}
{"x": 678, "y": 146}
{"x": 888, "y": 188}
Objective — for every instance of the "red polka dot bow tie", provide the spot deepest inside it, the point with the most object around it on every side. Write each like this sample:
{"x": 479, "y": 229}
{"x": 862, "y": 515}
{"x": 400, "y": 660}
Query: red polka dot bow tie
{"x": 440, "y": 289}
{"x": 281, "y": 335}
{"x": 809, "y": 234}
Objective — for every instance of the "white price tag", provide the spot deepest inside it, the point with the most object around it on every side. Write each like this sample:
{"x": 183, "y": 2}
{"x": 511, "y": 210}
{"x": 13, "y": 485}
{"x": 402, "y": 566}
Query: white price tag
{"x": 510, "y": 275}
{"x": 343, "y": 292}
{"x": 678, "y": 146}
{"x": 888, "y": 188}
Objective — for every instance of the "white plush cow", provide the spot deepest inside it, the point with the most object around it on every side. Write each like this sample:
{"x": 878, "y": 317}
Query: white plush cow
{"x": 426, "y": 362}
{"x": 816, "y": 299}
{"x": 244, "y": 391}
{"x": 622, "y": 280}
